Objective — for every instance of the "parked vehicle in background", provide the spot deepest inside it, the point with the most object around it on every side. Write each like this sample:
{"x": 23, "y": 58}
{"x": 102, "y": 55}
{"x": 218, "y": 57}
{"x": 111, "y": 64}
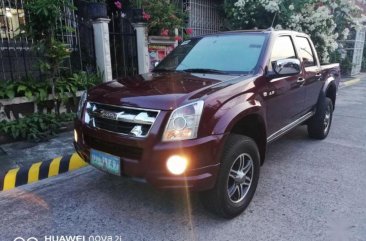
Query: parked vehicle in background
{"x": 203, "y": 118}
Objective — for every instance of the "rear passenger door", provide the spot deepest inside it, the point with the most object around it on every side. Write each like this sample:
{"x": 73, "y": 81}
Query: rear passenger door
{"x": 284, "y": 96}
{"x": 312, "y": 71}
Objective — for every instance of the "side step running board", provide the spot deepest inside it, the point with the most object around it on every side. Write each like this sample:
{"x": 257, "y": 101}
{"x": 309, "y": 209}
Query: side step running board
{"x": 289, "y": 127}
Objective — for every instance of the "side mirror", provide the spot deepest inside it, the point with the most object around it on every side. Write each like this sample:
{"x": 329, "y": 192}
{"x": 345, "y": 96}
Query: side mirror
{"x": 285, "y": 67}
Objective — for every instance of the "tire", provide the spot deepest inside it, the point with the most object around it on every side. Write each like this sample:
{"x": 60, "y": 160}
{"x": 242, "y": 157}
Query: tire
{"x": 238, "y": 153}
{"x": 319, "y": 124}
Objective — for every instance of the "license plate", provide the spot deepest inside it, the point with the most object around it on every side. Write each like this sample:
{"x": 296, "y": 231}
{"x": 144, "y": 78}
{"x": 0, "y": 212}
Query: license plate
{"x": 105, "y": 162}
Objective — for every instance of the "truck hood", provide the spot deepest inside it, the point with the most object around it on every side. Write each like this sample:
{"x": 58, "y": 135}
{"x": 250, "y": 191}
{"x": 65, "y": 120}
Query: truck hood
{"x": 161, "y": 91}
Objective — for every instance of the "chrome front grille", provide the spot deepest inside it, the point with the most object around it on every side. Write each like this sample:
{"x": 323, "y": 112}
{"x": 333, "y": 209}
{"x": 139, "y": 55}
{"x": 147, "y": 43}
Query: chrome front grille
{"x": 118, "y": 119}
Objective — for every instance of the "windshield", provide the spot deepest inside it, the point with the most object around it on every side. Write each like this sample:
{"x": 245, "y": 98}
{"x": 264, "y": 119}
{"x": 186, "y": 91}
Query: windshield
{"x": 234, "y": 53}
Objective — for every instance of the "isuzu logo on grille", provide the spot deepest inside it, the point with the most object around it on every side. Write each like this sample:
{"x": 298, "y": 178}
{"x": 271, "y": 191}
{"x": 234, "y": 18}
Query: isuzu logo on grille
{"x": 97, "y": 116}
{"x": 108, "y": 115}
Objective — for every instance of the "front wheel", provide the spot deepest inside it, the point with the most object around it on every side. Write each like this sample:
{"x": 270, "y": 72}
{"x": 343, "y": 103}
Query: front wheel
{"x": 237, "y": 179}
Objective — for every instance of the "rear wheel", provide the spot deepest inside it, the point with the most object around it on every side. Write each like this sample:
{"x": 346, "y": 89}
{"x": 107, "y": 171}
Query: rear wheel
{"x": 319, "y": 124}
{"x": 237, "y": 179}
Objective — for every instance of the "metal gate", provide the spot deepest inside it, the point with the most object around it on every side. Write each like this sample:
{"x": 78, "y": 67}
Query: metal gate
{"x": 83, "y": 57}
{"x": 358, "y": 46}
{"x": 352, "y": 51}
{"x": 204, "y": 17}
{"x": 122, "y": 37}
{"x": 17, "y": 58}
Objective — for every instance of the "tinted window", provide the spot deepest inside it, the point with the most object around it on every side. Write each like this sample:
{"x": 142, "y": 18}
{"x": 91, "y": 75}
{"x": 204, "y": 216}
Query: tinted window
{"x": 305, "y": 51}
{"x": 283, "y": 49}
{"x": 230, "y": 53}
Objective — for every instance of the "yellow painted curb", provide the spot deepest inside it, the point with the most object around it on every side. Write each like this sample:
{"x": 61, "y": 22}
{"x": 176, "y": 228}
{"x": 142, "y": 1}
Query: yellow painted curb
{"x": 10, "y": 179}
{"x": 40, "y": 170}
{"x": 350, "y": 82}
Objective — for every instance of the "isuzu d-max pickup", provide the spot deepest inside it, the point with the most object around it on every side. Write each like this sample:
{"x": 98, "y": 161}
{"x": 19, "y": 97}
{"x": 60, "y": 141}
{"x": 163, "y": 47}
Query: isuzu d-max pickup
{"x": 202, "y": 119}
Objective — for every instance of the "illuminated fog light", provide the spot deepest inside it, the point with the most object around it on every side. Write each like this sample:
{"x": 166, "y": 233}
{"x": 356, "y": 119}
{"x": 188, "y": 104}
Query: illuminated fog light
{"x": 177, "y": 165}
{"x": 75, "y": 136}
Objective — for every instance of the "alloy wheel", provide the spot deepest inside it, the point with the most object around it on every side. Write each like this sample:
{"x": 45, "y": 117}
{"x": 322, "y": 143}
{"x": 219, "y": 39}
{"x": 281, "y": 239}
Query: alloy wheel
{"x": 240, "y": 178}
{"x": 327, "y": 118}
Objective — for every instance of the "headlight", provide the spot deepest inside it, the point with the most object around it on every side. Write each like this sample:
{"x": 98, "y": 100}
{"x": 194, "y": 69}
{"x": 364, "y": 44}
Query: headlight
{"x": 82, "y": 101}
{"x": 183, "y": 122}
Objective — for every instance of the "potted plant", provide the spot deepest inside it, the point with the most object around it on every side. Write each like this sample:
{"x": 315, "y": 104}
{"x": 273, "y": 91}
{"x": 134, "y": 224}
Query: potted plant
{"x": 135, "y": 13}
{"x": 92, "y": 9}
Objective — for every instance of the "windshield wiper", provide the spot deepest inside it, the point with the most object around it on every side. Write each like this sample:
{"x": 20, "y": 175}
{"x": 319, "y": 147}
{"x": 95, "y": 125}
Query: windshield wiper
{"x": 205, "y": 71}
{"x": 164, "y": 70}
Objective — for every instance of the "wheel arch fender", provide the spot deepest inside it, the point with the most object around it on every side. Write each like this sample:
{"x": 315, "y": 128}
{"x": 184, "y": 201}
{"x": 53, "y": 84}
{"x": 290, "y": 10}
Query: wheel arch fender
{"x": 329, "y": 89}
{"x": 247, "y": 118}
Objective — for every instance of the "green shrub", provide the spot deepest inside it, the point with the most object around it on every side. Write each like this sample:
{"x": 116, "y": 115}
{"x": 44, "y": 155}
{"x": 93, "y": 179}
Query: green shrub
{"x": 36, "y": 126}
{"x": 7, "y": 90}
{"x": 39, "y": 90}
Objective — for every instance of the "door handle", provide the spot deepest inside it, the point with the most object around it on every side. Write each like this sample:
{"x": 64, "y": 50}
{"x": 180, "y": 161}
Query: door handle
{"x": 318, "y": 74}
{"x": 300, "y": 80}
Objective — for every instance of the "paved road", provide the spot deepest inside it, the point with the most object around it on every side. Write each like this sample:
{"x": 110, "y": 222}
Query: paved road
{"x": 309, "y": 190}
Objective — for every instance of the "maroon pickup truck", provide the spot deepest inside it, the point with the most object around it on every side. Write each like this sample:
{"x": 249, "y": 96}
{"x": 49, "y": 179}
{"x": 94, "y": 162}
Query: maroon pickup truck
{"x": 203, "y": 118}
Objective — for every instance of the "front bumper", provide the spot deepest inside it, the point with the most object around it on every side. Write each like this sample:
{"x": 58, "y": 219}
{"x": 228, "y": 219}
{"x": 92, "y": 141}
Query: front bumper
{"x": 146, "y": 158}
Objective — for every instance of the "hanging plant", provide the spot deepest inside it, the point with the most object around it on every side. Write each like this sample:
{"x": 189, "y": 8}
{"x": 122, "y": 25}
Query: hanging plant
{"x": 146, "y": 16}
{"x": 188, "y": 31}
{"x": 119, "y": 5}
